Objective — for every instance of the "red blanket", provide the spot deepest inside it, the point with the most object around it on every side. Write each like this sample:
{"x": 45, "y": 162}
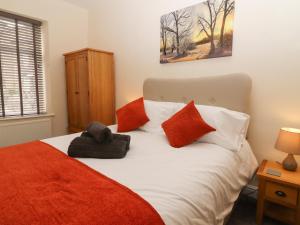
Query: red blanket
{"x": 41, "y": 185}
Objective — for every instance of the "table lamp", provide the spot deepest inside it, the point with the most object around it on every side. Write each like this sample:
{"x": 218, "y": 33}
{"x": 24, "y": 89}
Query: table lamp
{"x": 289, "y": 141}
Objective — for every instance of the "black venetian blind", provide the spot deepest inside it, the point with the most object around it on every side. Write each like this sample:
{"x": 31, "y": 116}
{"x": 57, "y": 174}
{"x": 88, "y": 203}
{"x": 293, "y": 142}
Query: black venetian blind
{"x": 22, "y": 90}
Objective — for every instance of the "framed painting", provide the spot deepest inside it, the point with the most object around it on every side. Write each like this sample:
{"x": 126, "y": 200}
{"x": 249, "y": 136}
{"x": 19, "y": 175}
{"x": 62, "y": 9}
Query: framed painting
{"x": 201, "y": 31}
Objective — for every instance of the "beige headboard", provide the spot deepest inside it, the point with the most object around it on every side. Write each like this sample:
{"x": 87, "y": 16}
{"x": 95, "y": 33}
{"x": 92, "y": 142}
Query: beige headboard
{"x": 230, "y": 91}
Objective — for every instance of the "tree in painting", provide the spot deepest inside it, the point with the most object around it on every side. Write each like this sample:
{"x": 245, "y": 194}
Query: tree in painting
{"x": 208, "y": 23}
{"x": 228, "y": 8}
{"x": 180, "y": 28}
{"x": 164, "y": 24}
{"x": 198, "y": 32}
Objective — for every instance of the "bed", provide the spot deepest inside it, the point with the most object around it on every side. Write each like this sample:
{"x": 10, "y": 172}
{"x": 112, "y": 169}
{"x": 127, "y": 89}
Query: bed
{"x": 197, "y": 184}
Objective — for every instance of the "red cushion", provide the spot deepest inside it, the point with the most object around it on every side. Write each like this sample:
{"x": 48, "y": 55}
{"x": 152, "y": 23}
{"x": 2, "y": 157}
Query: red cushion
{"x": 132, "y": 116}
{"x": 185, "y": 126}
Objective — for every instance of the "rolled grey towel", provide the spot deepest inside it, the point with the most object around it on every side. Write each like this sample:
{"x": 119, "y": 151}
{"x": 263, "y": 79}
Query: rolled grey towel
{"x": 99, "y": 132}
{"x": 87, "y": 147}
{"x": 122, "y": 137}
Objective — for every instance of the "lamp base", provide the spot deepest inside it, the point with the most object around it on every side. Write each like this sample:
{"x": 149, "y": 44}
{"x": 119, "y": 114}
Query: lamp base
{"x": 289, "y": 163}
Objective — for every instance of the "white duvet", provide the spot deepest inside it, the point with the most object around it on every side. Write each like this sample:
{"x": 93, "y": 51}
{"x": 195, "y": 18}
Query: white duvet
{"x": 196, "y": 184}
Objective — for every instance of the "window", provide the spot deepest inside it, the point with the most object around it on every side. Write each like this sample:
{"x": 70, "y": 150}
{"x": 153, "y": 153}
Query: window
{"x": 22, "y": 89}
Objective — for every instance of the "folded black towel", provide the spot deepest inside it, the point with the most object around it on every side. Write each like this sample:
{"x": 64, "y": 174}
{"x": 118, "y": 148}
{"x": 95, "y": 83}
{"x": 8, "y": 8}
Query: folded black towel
{"x": 122, "y": 137}
{"x": 99, "y": 132}
{"x": 87, "y": 147}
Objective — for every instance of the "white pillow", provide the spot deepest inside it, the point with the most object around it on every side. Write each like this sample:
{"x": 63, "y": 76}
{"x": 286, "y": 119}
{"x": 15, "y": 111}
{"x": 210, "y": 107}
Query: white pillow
{"x": 157, "y": 113}
{"x": 231, "y": 126}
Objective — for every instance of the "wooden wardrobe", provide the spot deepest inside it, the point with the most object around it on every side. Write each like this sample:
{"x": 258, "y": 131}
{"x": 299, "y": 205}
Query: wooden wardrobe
{"x": 90, "y": 88}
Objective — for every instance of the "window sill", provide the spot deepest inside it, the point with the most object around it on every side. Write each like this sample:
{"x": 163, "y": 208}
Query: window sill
{"x": 27, "y": 117}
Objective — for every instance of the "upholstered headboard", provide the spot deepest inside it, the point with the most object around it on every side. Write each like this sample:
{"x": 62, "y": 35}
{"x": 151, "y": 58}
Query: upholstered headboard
{"x": 230, "y": 91}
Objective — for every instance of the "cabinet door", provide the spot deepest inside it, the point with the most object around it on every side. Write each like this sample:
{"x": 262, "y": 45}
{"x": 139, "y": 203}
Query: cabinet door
{"x": 83, "y": 91}
{"x": 72, "y": 90}
{"x": 101, "y": 82}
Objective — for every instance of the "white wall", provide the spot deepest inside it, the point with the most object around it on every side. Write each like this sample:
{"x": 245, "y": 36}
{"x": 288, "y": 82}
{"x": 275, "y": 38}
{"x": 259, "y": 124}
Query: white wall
{"x": 66, "y": 29}
{"x": 266, "y": 46}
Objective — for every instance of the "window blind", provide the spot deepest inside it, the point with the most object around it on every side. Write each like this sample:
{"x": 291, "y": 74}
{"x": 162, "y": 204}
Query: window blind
{"x": 22, "y": 89}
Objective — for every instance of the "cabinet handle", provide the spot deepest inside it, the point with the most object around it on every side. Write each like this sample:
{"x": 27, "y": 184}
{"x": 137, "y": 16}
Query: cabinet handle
{"x": 280, "y": 194}
{"x": 76, "y": 92}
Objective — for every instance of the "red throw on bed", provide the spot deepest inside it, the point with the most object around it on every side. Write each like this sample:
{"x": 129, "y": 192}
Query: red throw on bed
{"x": 39, "y": 185}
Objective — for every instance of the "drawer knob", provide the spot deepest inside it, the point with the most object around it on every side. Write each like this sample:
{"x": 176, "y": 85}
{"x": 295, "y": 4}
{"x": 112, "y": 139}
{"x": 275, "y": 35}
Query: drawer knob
{"x": 280, "y": 194}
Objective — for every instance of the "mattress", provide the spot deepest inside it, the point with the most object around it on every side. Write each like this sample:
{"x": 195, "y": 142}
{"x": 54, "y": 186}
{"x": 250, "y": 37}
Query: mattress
{"x": 197, "y": 184}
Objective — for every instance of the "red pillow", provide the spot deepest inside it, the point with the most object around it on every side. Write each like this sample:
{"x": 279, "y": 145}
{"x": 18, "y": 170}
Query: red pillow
{"x": 185, "y": 126}
{"x": 132, "y": 116}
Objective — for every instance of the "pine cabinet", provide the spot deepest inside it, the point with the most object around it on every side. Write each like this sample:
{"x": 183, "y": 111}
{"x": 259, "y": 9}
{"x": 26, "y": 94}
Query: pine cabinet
{"x": 90, "y": 88}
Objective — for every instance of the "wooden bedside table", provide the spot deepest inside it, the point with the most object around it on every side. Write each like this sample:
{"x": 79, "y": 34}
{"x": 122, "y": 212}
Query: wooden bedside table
{"x": 278, "y": 197}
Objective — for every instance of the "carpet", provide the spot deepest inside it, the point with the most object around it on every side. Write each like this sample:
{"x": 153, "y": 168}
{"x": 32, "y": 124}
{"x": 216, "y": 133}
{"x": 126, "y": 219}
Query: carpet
{"x": 244, "y": 213}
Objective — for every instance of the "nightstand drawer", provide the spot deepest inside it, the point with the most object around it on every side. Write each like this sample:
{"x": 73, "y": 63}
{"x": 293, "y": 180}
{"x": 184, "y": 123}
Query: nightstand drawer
{"x": 281, "y": 194}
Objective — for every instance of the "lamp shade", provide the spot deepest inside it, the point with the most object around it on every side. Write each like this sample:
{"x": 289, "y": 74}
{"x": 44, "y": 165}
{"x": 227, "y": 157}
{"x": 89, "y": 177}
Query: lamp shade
{"x": 289, "y": 141}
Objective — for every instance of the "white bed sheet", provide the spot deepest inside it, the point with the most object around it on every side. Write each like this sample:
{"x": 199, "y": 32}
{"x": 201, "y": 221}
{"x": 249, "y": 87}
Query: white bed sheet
{"x": 197, "y": 184}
